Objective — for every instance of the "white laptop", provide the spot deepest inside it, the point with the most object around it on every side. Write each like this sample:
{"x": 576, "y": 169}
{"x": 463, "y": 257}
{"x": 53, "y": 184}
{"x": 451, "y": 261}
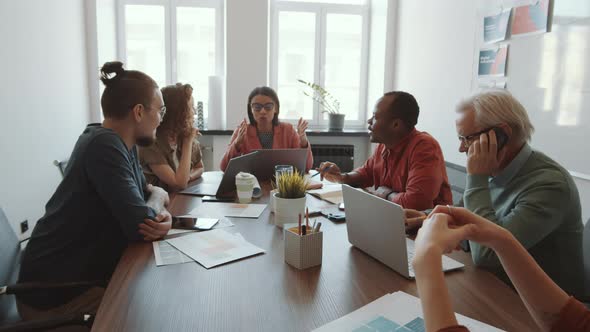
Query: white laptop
{"x": 376, "y": 226}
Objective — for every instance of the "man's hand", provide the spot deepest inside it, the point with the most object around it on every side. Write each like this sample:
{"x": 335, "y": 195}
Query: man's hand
{"x": 330, "y": 172}
{"x": 381, "y": 192}
{"x": 158, "y": 194}
{"x": 155, "y": 230}
{"x": 414, "y": 219}
{"x": 483, "y": 157}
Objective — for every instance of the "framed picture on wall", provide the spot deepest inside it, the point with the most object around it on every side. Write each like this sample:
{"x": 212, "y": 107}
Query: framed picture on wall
{"x": 531, "y": 19}
{"x": 492, "y": 61}
{"x": 495, "y": 26}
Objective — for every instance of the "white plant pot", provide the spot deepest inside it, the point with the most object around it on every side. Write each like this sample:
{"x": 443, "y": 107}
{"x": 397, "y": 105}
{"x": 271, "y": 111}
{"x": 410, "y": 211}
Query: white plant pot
{"x": 271, "y": 201}
{"x": 287, "y": 210}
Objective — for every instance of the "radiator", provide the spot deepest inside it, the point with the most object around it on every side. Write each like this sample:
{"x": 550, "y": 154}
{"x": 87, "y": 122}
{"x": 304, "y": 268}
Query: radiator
{"x": 341, "y": 155}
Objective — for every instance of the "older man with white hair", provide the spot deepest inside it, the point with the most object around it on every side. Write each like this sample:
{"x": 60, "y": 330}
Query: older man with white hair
{"x": 519, "y": 188}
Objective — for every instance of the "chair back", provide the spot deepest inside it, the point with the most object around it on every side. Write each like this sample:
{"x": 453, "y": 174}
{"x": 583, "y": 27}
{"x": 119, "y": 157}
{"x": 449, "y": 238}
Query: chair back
{"x": 9, "y": 262}
{"x": 61, "y": 165}
{"x": 586, "y": 253}
{"x": 457, "y": 175}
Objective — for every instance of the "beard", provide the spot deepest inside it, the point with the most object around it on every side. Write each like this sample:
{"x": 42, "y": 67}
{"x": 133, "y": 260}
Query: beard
{"x": 145, "y": 141}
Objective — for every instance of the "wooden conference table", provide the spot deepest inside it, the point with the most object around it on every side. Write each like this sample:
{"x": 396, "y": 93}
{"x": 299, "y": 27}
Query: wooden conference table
{"x": 263, "y": 293}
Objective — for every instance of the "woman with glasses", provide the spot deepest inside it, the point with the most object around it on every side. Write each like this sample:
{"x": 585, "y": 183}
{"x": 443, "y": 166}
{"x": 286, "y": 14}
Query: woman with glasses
{"x": 265, "y": 131}
{"x": 175, "y": 157}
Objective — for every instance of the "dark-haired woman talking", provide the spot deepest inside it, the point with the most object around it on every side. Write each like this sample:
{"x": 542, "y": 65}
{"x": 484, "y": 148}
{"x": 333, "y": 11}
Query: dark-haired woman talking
{"x": 175, "y": 157}
{"x": 265, "y": 131}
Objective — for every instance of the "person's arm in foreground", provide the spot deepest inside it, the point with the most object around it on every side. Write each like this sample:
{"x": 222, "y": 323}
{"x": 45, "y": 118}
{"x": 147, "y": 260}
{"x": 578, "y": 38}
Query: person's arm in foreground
{"x": 542, "y": 297}
{"x": 434, "y": 239}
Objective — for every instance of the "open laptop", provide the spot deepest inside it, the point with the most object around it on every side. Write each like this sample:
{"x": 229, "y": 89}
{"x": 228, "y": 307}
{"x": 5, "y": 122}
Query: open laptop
{"x": 267, "y": 159}
{"x": 376, "y": 226}
{"x": 220, "y": 184}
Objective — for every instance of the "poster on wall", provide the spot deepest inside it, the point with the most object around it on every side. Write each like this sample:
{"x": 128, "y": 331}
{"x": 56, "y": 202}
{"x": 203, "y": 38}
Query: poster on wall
{"x": 492, "y": 62}
{"x": 531, "y": 19}
{"x": 486, "y": 85}
{"x": 496, "y": 26}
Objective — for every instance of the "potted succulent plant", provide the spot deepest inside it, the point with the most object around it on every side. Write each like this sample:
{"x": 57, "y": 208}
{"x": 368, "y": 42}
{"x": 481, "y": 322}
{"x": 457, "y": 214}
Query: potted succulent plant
{"x": 328, "y": 103}
{"x": 289, "y": 200}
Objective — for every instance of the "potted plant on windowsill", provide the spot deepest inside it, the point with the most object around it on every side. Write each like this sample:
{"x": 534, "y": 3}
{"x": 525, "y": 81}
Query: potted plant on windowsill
{"x": 328, "y": 103}
{"x": 289, "y": 200}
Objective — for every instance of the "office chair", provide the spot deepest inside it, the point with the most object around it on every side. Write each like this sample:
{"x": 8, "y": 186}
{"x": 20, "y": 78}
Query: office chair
{"x": 10, "y": 254}
{"x": 61, "y": 165}
{"x": 586, "y": 252}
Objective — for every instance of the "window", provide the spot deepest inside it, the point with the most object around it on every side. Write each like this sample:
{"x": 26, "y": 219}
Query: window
{"x": 173, "y": 41}
{"x": 323, "y": 42}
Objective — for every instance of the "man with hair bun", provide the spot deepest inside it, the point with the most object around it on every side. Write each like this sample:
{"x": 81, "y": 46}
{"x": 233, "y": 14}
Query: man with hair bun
{"x": 101, "y": 204}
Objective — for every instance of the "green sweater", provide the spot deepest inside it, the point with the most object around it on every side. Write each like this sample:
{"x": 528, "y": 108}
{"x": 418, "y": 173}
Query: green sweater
{"x": 537, "y": 201}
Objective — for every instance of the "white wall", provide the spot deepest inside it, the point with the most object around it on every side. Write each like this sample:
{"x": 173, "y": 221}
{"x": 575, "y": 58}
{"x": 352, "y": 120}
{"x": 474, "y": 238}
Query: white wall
{"x": 435, "y": 45}
{"x": 43, "y": 99}
{"x": 246, "y": 54}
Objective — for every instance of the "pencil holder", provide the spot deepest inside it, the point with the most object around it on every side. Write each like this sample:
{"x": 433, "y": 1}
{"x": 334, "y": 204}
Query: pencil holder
{"x": 304, "y": 251}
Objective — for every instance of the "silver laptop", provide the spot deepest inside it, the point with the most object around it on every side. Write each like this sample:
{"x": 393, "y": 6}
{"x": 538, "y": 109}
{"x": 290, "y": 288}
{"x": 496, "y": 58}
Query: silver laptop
{"x": 267, "y": 159}
{"x": 221, "y": 184}
{"x": 376, "y": 226}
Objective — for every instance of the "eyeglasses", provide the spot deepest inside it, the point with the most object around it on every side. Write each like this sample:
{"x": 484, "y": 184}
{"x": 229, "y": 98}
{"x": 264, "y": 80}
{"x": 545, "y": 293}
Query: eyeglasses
{"x": 162, "y": 112}
{"x": 466, "y": 141}
{"x": 258, "y": 107}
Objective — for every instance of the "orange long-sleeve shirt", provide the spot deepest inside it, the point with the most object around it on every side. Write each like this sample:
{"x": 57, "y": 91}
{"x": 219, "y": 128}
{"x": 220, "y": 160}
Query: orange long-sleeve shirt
{"x": 415, "y": 169}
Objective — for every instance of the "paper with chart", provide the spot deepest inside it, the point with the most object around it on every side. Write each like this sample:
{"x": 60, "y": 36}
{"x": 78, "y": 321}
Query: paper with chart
{"x": 330, "y": 192}
{"x": 398, "y": 312}
{"x": 218, "y": 210}
{"x": 166, "y": 254}
{"x": 214, "y": 247}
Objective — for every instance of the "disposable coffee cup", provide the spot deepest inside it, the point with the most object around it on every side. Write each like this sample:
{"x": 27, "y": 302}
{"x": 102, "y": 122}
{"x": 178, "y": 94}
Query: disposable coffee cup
{"x": 244, "y": 187}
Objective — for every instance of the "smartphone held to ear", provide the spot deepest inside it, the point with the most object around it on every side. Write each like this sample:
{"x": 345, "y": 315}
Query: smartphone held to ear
{"x": 199, "y": 224}
{"x": 501, "y": 137}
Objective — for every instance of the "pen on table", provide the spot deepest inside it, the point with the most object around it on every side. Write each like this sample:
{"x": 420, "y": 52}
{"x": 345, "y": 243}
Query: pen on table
{"x": 325, "y": 170}
{"x": 299, "y": 227}
{"x": 317, "y": 228}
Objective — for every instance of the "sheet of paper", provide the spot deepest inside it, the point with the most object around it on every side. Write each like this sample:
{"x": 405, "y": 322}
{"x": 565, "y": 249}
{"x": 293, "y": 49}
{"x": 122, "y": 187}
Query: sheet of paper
{"x": 214, "y": 247}
{"x": 216, "y": 210}
{"x": 167, "y": 255}
{"x": 313, "y": 182}
{"x": 331, "y": 193}
{"x": 398, "y": 311}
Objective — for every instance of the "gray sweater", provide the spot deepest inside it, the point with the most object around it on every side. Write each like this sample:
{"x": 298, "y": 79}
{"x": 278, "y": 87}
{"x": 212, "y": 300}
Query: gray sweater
{"x": 537, "y": 201}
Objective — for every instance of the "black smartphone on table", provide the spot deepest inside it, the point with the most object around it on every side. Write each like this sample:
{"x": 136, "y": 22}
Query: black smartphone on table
{"x": 218, "y": 199}
{"x": 198, "y": 224}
